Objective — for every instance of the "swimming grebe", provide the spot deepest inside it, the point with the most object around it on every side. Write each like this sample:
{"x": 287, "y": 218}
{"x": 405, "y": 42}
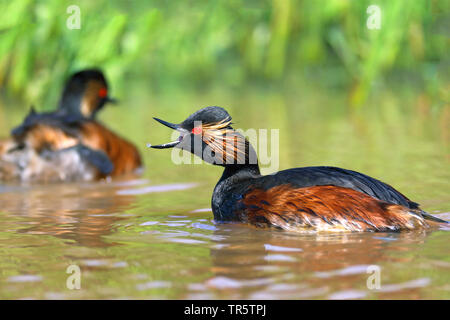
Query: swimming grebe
{"x": 68, "y": 143}
{"x": 310, "y": 198}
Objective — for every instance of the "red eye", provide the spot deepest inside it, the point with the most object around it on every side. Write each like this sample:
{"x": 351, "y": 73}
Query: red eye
{"x": 197, "y": 130}
{"x": 102, "y": 92}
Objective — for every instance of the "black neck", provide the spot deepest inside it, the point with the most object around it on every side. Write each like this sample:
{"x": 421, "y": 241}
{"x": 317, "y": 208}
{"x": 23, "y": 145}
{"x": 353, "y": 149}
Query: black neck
{"x": 240, "y": 170}
{"x": 70, "y": 102}
{"x": 235, "y": 177}
{"x": 249, "y": 167}
{"x": 223, "y": 199}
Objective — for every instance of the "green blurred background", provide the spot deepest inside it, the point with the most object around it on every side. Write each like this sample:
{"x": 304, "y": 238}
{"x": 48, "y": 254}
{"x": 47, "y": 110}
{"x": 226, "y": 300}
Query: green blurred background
{"x": 229, "y": 43}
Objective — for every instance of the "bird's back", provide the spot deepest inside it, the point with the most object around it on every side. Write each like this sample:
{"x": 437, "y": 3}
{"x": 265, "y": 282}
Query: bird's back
{"x": 324, "y": 175}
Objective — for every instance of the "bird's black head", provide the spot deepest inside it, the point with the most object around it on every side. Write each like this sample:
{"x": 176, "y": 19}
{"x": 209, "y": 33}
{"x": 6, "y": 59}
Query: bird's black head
{"x": 207, "y": 116}
{"x": 208, "y": 134}
{"x": 85, "y": 93}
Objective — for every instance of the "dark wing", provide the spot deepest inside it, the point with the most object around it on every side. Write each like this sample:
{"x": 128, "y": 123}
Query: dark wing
{"x": 96, "y": 158}
{"x": 67, "y": 123}
{"x": 319, "y": 176}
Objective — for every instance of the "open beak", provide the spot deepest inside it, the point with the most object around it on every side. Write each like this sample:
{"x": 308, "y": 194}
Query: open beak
{"x": 169, "y": 144}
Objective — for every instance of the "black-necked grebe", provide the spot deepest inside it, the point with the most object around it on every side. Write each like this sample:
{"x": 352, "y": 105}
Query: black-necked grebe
{"x": 307, "y": 199}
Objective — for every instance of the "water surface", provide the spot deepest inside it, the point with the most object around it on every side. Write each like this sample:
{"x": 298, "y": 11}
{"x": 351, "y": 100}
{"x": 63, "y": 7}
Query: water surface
{"x": 153, "y": 236}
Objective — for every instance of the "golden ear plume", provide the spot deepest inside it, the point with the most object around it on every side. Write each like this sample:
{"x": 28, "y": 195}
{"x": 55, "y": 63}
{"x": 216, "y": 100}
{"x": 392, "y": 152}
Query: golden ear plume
{"x": 225, "y": 141}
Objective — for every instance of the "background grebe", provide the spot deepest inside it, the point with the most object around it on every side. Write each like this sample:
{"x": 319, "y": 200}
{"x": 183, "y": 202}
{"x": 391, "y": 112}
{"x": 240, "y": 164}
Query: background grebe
{"x": 68, "y": 143}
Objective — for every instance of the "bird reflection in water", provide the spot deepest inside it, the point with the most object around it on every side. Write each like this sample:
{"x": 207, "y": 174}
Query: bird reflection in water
{"x": 83, "y": 213}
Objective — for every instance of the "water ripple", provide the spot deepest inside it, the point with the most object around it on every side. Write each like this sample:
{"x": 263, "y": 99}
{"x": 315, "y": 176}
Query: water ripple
{"x": 352, "y": 270}
{"x": 158, "y": 188}
{"x": 418, "y": 283}
{"x": 25, "y": 278}
{"x": 270, "y": 247}
{"x": 347, "y": 294}
{"x": 203, "y": 226}
{"x": 279, "y": 257}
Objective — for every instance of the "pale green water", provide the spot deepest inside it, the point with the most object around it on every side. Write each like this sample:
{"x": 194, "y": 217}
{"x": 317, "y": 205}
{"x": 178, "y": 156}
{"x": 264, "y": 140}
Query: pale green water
{"x": 153, "y": 236}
